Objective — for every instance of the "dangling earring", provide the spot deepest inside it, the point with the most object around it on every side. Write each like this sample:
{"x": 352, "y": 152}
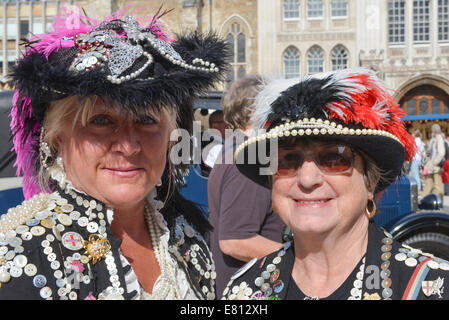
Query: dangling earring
{"x": 370, "y": 212}
{"x": 45, "y": 153}
{"x": 159, "y": 183}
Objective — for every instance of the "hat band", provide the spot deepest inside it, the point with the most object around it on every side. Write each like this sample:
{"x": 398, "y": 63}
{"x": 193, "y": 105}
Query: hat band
{"x": 312, "y": 127}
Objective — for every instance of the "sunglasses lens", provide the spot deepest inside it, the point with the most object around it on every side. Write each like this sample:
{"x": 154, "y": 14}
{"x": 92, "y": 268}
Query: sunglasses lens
{"x": 289, "y": 164}
{"x": 336, "y": 159}
{"x": 330, "y": 159}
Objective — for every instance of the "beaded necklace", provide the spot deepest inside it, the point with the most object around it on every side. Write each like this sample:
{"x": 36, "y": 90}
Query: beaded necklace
{"x": 165, "y": 285}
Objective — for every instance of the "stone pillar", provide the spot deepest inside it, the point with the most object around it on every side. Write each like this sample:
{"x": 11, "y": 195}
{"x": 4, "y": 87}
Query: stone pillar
{"x": 192, "y": 15}
{"x": 267, "y": 13}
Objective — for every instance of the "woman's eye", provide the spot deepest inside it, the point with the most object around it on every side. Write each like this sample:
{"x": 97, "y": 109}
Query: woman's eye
{"x": 145, "y": 120}
{"x": 101, "y": 120}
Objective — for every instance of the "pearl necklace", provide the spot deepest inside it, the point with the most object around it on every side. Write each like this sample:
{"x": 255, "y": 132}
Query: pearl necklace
{"x": 166, "y": 283}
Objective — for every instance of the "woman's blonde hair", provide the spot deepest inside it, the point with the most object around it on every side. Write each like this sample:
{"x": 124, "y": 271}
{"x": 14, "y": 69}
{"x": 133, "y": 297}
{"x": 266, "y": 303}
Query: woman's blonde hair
{"x": 60, "y": 111}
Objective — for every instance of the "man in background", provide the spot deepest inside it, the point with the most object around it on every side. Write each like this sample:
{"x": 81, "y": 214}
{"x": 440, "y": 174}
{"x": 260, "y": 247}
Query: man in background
{"x": 245, "y": 225}
{"x": 216, "y": 122}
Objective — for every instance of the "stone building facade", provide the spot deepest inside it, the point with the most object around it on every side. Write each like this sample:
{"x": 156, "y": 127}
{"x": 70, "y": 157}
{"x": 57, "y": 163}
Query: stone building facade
{"x": 405, "y": 41}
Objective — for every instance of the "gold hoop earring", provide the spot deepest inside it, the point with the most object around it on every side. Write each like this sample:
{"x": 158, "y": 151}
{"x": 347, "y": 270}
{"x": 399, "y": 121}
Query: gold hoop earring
{"x": 371, "y": 212}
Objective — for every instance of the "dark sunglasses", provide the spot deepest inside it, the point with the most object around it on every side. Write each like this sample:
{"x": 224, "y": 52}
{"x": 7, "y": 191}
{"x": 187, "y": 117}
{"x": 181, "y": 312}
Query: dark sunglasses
{"x": 330, "y": 159}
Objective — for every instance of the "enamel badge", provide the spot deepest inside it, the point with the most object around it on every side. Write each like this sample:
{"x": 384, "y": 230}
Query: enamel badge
{"x": 72, "y": 241}
{"x": 433, "y": 287}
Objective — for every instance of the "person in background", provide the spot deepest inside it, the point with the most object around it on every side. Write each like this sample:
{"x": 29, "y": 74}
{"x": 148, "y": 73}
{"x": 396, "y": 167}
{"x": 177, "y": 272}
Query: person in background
{"x": 216, "y": 122}
{"x": 445, "y": 168}
{"x": 415, "y": 165}
{"x": 240, "y": 212}
{"x": 433, "y": 182}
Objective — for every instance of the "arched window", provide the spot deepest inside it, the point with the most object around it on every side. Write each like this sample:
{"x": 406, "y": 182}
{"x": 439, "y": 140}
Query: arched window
{"x": 339, "y": 58}
{"x": 241, "y": 48}
{"x": 291, "y": 9}
{"x": 236, "y": 40}
{"x": 425, "y": 99}
{"x": 291, "y": 63}
{"x": 315, "y": 60}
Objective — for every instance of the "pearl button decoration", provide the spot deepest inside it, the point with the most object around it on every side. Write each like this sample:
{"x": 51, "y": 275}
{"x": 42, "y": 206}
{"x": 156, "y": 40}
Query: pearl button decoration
{"x": 311, "y": 127}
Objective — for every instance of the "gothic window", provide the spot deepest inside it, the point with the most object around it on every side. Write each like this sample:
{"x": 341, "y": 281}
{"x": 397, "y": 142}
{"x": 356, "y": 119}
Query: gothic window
{"x": 236, "y": 40}
{"x": 396, "y": 21}
{"x": 315, "y": 8}
{"x": 339, "y": 58}
{"x": 425, "y": 99}
{"x": 315, "y": 60}
{"x": 241, "y": 48}
{"x": 291, "y": 63}
{"x": 339, "y": 8}
{"x": 291, "y": 9}
{"x": 443, "y": 20}
{"x": 421, "y": 20}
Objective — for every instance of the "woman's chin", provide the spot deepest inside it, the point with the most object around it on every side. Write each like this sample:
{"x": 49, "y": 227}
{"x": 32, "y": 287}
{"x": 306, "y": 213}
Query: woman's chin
{"x": 310, "y": 222}
{"x": 123, "y": 196}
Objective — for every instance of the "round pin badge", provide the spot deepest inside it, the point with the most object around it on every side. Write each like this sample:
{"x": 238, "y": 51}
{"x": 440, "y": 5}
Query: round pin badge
{"x": 72, "y": 241}
{"x": 274, "y": 275}
{"x": 278, "y": 286}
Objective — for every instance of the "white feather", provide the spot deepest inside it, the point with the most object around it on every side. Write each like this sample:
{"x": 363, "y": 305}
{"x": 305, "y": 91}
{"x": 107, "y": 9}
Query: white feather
{"x": 273, "y": 87}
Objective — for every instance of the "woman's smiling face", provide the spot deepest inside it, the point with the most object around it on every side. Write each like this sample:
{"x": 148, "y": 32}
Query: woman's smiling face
{"x": 310, "y": 199}
{"x": 114, "y": 157}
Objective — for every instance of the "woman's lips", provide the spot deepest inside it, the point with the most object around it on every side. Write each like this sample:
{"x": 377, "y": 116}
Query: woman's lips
{"x": 311, "y": 202}
{"x": 127, "y": 172}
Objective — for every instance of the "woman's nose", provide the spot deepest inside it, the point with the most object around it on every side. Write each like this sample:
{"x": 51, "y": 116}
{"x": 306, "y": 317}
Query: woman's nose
{"x": 126, "y": 140}
{"x": 309, "y": 174}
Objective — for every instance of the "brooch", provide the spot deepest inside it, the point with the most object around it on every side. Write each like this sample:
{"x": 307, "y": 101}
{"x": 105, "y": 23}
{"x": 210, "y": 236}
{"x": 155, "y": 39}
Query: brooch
{"x": 434, "y": 287}
{"x": 372, "y": 296}
{"x": 96, "y": 247}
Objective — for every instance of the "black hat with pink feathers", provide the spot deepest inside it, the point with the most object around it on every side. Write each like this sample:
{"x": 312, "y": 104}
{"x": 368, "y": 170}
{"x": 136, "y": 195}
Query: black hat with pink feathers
{"x": 127, "y": 61}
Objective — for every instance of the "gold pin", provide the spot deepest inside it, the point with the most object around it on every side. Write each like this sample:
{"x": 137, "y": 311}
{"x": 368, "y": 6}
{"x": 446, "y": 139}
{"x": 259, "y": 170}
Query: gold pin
{"x": 372, "y": 296}
{"x": 96, "y": 248}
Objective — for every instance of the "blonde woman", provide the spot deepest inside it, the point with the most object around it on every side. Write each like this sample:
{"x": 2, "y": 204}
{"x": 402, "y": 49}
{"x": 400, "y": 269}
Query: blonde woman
{"x": 92, "y": 117}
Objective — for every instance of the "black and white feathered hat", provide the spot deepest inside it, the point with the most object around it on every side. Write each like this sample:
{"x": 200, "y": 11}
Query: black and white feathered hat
{"x": 130, "y": 64}
{"x": 351, "y": 105}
